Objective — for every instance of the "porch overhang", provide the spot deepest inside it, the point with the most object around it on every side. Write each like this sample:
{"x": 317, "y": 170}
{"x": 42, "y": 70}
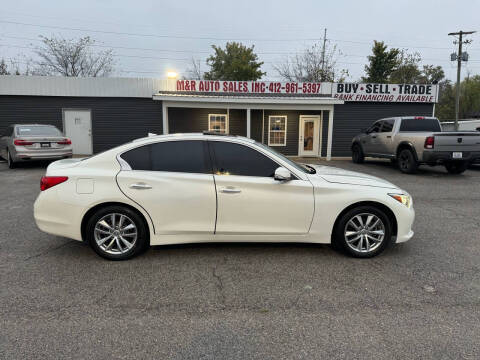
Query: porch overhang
{"x": 249, "y": 103}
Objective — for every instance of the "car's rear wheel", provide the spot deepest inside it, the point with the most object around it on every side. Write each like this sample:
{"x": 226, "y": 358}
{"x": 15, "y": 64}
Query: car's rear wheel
{"x": 363, "y": 232}
{"x": 407, "y": 162}
{"x": 456, "y": 167}
{"x": 117, "y": 233}
{"x": 357, "y": 154}
{"x": 10, "y": 162}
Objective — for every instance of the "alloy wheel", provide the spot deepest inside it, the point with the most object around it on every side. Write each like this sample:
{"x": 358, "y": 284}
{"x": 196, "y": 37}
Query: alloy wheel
{"x": 115, "y": 233}
{"x": 404, "y": 161}
{"x": 364, "y": 232}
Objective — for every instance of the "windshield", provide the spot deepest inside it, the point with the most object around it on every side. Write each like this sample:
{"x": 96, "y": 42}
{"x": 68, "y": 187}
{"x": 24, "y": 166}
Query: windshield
{"x": 303, "y": 168}
{"x": 38, "y": 130}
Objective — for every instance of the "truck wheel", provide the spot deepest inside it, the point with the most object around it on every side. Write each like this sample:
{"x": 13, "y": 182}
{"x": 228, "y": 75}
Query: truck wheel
{"x": 456, "y": 167}
{"x": 357, "y": 154}
{"x": 407, "y": 162}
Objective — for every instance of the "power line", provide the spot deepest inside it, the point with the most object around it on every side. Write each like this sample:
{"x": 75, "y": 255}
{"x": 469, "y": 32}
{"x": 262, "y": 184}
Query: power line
{"x": 369, "y": 42}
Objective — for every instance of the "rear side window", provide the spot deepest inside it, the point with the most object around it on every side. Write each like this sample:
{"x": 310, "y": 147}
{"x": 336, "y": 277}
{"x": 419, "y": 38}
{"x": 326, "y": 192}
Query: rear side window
{"x": 387, "y": 125}
{"x": 173, "y": 156}
{"x": 38, "y": 130}
{"x": 420, "y": 125}
{"x": 236, "y": 159}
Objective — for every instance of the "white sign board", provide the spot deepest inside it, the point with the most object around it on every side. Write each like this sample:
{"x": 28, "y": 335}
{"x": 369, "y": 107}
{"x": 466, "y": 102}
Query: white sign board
{"x": 413, "y": 93}
{"x": 253, "y": 87}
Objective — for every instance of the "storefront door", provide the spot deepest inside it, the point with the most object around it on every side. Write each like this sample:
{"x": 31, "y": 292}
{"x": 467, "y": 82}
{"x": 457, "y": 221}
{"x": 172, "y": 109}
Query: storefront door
{"x": 309, "y": 135}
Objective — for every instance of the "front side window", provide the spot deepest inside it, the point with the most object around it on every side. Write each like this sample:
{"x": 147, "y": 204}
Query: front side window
{"x": 218, "y": 123}
{"x": 174, "y": 156}
{"x": 375, "y": 127}
{"x": 277, "y": 130}
{"x": 237, "y": 159}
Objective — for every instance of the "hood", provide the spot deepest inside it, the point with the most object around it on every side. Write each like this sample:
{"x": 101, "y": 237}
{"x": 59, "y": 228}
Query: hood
{"x": 340, "y": 176}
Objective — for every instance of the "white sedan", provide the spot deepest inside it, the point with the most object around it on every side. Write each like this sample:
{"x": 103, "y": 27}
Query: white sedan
{"x": 186, "y": 188}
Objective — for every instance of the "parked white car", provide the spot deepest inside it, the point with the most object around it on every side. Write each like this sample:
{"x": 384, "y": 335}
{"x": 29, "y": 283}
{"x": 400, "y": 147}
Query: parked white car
{"x": 186, "y": 188}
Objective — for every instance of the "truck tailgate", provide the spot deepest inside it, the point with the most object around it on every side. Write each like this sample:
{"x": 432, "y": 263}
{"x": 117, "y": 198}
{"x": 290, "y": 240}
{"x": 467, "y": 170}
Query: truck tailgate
{"x": 457, "y": 141}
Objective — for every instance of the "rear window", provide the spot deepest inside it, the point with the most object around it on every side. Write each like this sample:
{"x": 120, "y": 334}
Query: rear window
{"x": 420, "y": 125}
{"x": 176, "y": 156}
{"x": 38, "y": 130}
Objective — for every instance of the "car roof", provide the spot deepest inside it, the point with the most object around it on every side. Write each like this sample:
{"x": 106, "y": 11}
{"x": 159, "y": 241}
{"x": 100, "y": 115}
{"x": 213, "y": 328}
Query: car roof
{"x": 197, "y": 136}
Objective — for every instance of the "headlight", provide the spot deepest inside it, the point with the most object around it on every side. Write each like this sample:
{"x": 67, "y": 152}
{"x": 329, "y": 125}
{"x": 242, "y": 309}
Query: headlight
{"x": 404, "y": 199}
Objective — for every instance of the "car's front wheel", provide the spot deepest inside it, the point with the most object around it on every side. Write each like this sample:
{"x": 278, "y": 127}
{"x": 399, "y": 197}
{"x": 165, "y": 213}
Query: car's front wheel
{"x": 117, "y": 233}
{"x": 357, "y": 154}
{"x": 364, "y": 231}
{"x": 10, "y": 162}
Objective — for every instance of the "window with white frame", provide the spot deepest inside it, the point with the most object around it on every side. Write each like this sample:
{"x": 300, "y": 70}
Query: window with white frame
{"x": 277, "y": 130}
{"x": 218, "y": 123}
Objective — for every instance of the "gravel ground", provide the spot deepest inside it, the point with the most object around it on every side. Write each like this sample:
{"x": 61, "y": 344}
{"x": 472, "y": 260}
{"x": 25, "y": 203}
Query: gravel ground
{"x": 420, "y": 299}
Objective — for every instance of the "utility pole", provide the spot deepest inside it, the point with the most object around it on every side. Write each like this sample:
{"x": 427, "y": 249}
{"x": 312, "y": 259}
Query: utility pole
{"x": 322, "y": 77}
{"x": 459, "y": 57}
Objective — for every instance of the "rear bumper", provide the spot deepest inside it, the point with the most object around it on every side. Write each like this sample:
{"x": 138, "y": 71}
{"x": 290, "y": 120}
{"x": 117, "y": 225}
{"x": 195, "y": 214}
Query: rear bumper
{"x": 41, "y": 155}
{"x": 442, "y": 156}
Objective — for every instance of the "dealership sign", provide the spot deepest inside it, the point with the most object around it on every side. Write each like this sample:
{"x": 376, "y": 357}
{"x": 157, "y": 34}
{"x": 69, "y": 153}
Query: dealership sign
{"x": 251, "y": 87}
{"x": 415, "y": 93}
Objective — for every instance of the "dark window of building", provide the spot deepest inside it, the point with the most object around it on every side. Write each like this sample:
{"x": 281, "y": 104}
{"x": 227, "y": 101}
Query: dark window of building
{"x": 387, "y": 125}
{"x": 420, "y": 125}
{"x": 236, "y": 159}
{"x": 174, "y": 156}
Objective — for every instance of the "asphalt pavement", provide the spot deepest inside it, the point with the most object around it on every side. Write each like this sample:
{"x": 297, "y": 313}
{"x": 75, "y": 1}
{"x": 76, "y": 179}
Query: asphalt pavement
{"x": 420, "y": 299}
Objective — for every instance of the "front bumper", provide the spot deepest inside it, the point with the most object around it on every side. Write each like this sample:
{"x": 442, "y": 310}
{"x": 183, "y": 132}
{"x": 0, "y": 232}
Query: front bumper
{"x": 405, "y": 219}
{"x": 442, "y": 156}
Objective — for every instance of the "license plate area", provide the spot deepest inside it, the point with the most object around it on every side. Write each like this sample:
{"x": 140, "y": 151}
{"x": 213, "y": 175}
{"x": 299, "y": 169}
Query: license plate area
{"x": 457, "y": 155}
{"x": 45, "y": 145}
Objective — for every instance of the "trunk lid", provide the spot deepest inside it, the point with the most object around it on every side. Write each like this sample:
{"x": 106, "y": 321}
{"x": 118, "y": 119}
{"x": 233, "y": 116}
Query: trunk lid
{"x": 457, "y": 141}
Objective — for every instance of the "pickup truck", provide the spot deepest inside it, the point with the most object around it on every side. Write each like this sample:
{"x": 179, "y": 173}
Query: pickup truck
{"x": 413, "y": 140}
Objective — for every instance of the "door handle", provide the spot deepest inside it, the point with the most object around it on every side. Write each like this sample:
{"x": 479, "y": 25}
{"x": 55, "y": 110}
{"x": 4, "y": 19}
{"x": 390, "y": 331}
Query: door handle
{"x": 389, "y": 136}
{"x": 140, "y": 186}
{"x": 374, "y": 137}
{"x": 230, "y": 190}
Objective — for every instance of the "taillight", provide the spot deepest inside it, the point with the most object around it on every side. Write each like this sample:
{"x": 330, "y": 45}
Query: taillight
{"x": 419, "y": 117}
{"x": 64, "y": 142}
{"x": 49, "y": 181}
{"x": 21, "y": 142}
{"x": 429, "y": 142}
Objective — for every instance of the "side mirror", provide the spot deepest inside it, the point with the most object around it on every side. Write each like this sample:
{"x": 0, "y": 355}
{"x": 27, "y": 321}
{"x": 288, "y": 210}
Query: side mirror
{"x": 282, "y": 174}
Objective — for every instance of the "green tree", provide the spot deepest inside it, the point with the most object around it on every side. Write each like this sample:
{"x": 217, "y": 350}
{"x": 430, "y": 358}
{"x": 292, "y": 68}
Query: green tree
{"x": 469, "y": 96}
{"x": 445, "y": 109}
{"x": 381, "y": 64}
{"x": 235, "y": 62}
{"x": 407, "y": 70}
{"x": 432, "y": 74}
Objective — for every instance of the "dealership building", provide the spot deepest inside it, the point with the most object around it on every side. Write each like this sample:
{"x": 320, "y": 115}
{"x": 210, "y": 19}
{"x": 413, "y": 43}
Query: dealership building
{"x": 296, "y": 119}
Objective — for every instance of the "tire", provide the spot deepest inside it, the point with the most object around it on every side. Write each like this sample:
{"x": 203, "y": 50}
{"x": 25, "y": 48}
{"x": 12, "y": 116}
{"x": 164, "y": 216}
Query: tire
{"x": 100, "y": 226}
{"x": 10, "y": 162}
{"x": 366, "y": 232}
{"x": 407, "y": 162}
{"x": 456, "y": 167}
{"x": 357, "y": 154}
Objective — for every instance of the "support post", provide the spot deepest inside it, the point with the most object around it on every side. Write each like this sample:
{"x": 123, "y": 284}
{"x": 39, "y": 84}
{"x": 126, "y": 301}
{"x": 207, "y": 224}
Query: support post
{"x": 249, "y": 123}
{"x": 164, "y": 118}
{"x": 330, "y": 135}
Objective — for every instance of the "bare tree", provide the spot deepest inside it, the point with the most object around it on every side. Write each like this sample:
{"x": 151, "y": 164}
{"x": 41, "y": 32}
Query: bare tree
{"x": 72, "y": 57}
{"x": 315, "y": 64}
{"x": 194, "y": 71}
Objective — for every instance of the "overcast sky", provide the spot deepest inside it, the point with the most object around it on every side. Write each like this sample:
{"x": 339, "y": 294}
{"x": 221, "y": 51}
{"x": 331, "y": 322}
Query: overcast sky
{"x": 176, "y": 31}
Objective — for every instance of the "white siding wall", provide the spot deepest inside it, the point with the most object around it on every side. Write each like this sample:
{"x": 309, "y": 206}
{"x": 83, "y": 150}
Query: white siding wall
{"x": 93, "y": 87}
